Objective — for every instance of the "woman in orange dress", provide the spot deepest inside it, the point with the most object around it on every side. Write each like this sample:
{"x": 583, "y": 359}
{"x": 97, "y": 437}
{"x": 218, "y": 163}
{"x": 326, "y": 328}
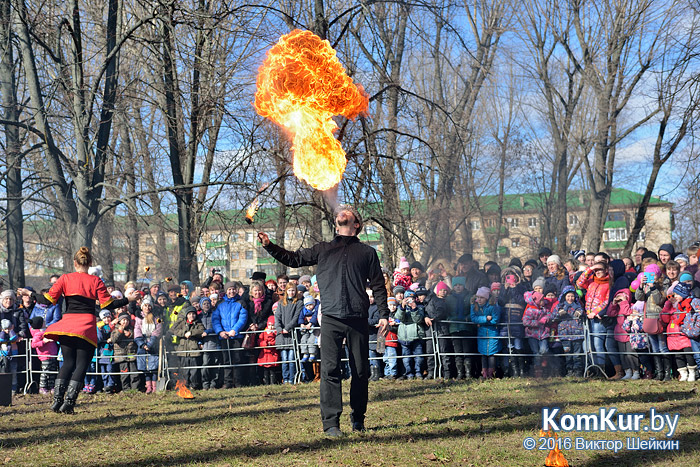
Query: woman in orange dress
{"x": 76, "y": 332}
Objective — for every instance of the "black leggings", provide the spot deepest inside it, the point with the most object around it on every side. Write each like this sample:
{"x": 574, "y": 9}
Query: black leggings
{"x": 77, "y": 355}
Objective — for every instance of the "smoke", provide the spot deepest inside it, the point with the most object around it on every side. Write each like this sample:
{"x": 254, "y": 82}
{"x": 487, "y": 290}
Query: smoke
{"x": 330, "y": 196}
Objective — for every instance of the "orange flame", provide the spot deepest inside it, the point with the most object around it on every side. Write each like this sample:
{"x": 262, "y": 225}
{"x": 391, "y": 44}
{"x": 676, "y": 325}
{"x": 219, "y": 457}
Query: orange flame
{"x": 301, "y": 86}
{"x": 182, "y": 390}
{"x": 251, "y": 211}
{"x": 555, "y": 458}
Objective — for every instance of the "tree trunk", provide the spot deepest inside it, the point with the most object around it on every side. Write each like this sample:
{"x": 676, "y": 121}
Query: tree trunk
{"x": 14, "y": 221}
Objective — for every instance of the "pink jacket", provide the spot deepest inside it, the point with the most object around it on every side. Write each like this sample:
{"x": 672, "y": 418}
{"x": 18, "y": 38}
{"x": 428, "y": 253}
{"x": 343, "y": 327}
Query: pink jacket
{"x": 621, "y": 310}
{"x": 597, "y": 291}
{"x": 674, "y": 317}
{"x": 45, "y": 350}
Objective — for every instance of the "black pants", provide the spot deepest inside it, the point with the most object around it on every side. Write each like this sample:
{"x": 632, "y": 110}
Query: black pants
{"x": 77, "y": 355}
{"x": 211, "y": 376}
{"x": 232, "y": 355}
{"x": 356, "y": 333}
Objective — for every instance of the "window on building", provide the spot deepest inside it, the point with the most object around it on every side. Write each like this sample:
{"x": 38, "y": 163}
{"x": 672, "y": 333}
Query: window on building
{"x": 616, "y": 235}
{"x": 149, "y": 241}
{"x": 535, "y": 242}
{"x": 642, "y": 236}
{"x": 513, "y": 222}
{"x": 575, "y": 241}
{"x": 235, "y": 238}
{"x": 249, "y": 272}
{"x": 217, "y": 237}
{"x": 488, "y": 222}
{"x": 217, "y": 254}
{"x": 573, "y": 219}
{"x": 371, "y": 229}
{"x": 169, "y": 239}
{"x": 149, "y": 259}
{"x": 532, "y": 222}
{"x": 515, "y": 241}
{"x": 616, "y": 216}
{"x": 476, "y": 224}
{"x": 287, "y": 235}
{"x": 249, "y": 254}
{"x": 477, "y": 244}
{"x": 234, "y": 273}
{"x": 118, "y": 242}
{"x": 299, "y": 233}
{"x": 249, "y": 237}
{"x": 235, "y": 255}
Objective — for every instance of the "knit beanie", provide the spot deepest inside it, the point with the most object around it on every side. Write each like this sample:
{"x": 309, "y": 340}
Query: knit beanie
{"x": 554, "y": 259}
{"x": 441, "y": 286}
{"x": 124, "y": 315}
{"x": 105, "y": 314}
{"x": 153, "y": 284}
{"x": 117, "y": 294}
{"x": 550, "y": 288}
{"x": 404, "y": 263}
{"x": 308, "y": 299}
{"x": 653, "y": 268}
{"x": 305, "y": 278}
{"x": 8, "y": 293}
{"x": 483, "y": 292}
{"x": 391, "y": 300}
{"x": 417, "y": 265}
{"x": 398, "y": 289}
{"x": 685, "y": 276}
{"x": 421, "y": 291}
{"x": 682, "y": 289}
{"x": 410, "y": 294}
{"x": 545, "y": 251}
{"x": 682, "y": 257}
{"x": 147, "y": 301}
{"x": 539, "y": 282}
{"x": 668, "y": 248}
{"x": 37, "y": 322}
{"x": 204, "y": 299}
{"x": 459, "y": 280}
{"x": 301, "y": 288}
{"x": 230, "y": 285}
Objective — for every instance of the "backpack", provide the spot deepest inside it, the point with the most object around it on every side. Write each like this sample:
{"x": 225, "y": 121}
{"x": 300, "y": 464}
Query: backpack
{"x": 691, "y": 325}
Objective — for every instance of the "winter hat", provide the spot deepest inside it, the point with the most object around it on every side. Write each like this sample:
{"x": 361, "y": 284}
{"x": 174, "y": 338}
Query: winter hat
{"x": 213, "y": 296}
{"x": 95, "y": 271}
{"x": 494, "y": 269}
{"x": 391, "y": 300}
{"x": 105, "y": 314}
{"x": 301, "y": 288}
{"x": 495, "y": 286}
{"x": 230, "y": 285}
{"x": 576, "y": 253}
{"x": 417, "y": 265}
{"x": 682, "y": 257}
{"x": 308, "y": 299}
{"x": 459, "y": 280}
{"x": 305, "y": 278}
{"x": 682, "y": 289}
{"x": 554, "y": 259}
{"x": 545, "y": 251}
{"x": 539, "y": 282}
{"x": 668, "y": 248}
{"x": 653, "y": 268}
{"x": 649, "y": 254}
{"x": 421, "y": 291}
{"x": 259, "y": 276}
{"x": 204, "y": 299}
{"x": 536, "y": 297}
{"x": 153, "y": 283}
{"x": 398, "y": 289}
{"x": 7, "y": 293}
{"x": 293, "y": 277}
{"x": 147, "y": 301}
{"x": 5, "y": 324}
{"x": 532, "y": 263}
{"x": 117, "y": 294}
{"x": 515, "y": 262}
{"x": 685, "y": 276}
{"x": 483, "y": 292}
{"x": 124, "y": 315}
{"x": 441, "y": 286}
{"x": 404, "y": 263}
{"x": 550, "y": 288}
{"x": 414, "y": 286}
{"x": 37, "y": 322}
{"x": 639, "y": 307}
{"x": 465, "y": 258}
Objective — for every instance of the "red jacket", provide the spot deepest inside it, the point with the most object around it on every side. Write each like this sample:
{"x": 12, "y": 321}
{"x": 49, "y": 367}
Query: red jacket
{"x": 269, "y": 355}
{"x": 597, "y": 291}
{"x": 673, "y": 316}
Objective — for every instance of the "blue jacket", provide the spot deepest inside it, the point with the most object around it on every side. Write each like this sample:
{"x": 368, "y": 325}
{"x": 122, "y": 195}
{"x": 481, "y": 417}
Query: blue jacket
{"x": 312, "y": 315}
{"x": 487, "y": 332}
{"x": 51, "y": 314}
{"x": 229, "y": 315}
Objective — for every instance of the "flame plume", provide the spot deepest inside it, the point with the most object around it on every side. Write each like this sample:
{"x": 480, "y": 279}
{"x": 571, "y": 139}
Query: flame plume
{"x": 555, "y": 458}
{"x": 182, "y": 390}
{"x": 301, "y": 86}
{"x": 251, "y": 211}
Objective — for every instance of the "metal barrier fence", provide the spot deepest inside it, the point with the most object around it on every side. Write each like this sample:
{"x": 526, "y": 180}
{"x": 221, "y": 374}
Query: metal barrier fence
{"x": 165, "y": 371}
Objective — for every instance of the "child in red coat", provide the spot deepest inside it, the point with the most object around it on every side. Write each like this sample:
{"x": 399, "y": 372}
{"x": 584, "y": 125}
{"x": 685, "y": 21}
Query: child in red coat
{"x": 674, "y": 313}
{"x": 268, "y": 357}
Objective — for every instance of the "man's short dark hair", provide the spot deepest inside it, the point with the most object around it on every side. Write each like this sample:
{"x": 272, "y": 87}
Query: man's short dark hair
{"x": 642, "y": 249}
{"x": 465, "y": 258}
{"x": 283, "y": 276}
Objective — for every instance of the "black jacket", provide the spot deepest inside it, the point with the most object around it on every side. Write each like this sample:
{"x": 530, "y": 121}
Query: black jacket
{"x": 344, "y": 266}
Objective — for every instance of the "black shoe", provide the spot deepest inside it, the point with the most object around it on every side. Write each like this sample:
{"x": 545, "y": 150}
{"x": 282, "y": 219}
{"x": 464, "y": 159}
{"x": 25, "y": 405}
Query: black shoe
{"x": 59, "y": 392}
{"x": 72, "y": 392}
{"x": 374, "y": 370}
{"x": 333, "y": 432}
{"x": 358, "y": 427}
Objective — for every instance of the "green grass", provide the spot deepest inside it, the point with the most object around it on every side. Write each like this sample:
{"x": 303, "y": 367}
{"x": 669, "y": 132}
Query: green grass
{"x": 409, "y": 423}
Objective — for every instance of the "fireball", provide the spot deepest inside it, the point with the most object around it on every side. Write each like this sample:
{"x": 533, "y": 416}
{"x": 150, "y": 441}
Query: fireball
{"x": 301, "y": 86}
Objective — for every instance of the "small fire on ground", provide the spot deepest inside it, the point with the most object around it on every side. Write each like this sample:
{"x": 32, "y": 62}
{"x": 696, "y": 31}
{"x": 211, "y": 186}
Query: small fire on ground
{"x": 555, "y": 458}
{"x": 182, "y": 390}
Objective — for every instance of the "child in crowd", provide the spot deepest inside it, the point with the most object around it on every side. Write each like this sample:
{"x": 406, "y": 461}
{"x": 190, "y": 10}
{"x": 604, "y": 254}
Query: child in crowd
{"x": 436, "y": 311}
{"x": 147, "y": 334}
{"x": 649, "y": 289}
{"x": 691, "y": 329}
{"x": 620, "y": 308}
{"x": 674, "y": 314}
{"x": 392, "y": 341}
{"x": 402, "y": 276}
{"x": 286, "y": 319}
{"x": 125, "y": 350}
{"x": 485, "y": 312}
{"x": 47, "y": 350}
{"x": 189, "y": 331}
{"x": 570, "y": 330}
{"x": 268, "y": 357}
{"x": 105, "y": 351}
{"x": 634, "y": 327}
{"x": 512, "y": 302}
{"x": 536, "y": 319}
{"x": 373, "y": 322}
{"x": 308, "y": 319}
{"x": 411, "y": 333}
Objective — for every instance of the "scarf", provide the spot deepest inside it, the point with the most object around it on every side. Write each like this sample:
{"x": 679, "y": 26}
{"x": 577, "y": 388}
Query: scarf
{"x": 258, "y": 304}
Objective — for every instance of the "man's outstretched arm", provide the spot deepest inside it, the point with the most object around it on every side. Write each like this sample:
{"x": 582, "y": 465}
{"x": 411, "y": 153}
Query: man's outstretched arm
{"x": 293, "y": 259}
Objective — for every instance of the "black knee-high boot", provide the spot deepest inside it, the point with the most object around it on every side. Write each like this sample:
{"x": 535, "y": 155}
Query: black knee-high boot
{"x": 59, "y": 390}
{"x": 72, "y": 392}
